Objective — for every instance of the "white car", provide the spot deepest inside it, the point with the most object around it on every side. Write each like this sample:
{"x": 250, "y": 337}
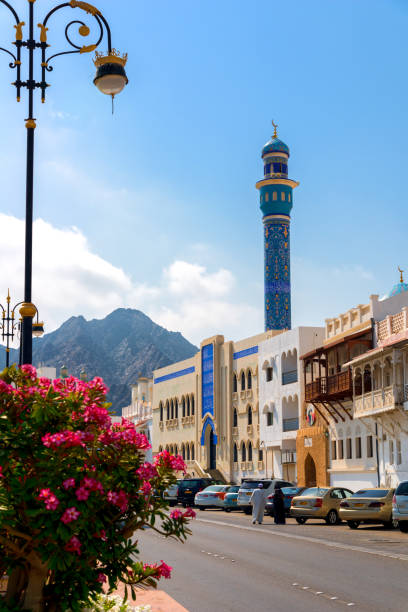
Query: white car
{"x": 400, "y": 506}
{"x": 249, "y": 484}
{"x": 170, "y": 494}
{"x": 211, "y": 497}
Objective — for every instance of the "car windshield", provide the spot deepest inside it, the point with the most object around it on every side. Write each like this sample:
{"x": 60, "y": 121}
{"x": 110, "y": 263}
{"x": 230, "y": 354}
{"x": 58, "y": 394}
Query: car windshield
{"x": 187, "y": 484}
{"x": 214, "y": 488}
{"x": 371, "y": 493}
{"x": 290, "y": 490}
{"x": 253, "y": 484}
{"x": 314, "y": 491}
{"x": 402, "y": 489}
{"x": 233, "y": 489}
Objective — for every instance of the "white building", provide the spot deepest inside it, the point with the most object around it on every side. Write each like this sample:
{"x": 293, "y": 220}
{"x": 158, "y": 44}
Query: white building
{"x": 281, "y": 396}
{"x": 140, "y": 410}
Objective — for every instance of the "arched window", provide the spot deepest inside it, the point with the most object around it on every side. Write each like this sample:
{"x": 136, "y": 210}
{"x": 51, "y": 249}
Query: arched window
{"x": 243, "y": 381}
{"x": 235, "y": 454}
{"x": 235, "y": 418}
{"x": 172, "y": 409}
{"x": 192, "y": 405}
{"x": 249, "y": 380}
{"x": 249, "y": 451}
{"x": 188, "y": 452}
{"x": 167, "y": 409}
{"x": 275, "y": 195}
{"x": 160, "y": 449}
{"x": 234, "y": 383}
{"x": 183, "y": 451}
{"x": 283, "y": 195}
{"x": 249, "y": 415}
{"x": 192, "y": 452}
{"x": 183, "y": 403}
{"x": 188, "y": 405}
{"x": 176, "y": 408}
{"x": 266, "y": 197}
{"x": 260, "y": 454}
{"x": 243, "y": 452}
{"x": 161, "y": 411}
{"x": 175, "y": 450}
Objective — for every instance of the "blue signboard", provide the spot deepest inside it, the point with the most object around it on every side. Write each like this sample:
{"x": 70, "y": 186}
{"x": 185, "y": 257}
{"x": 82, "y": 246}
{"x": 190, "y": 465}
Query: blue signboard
{"x": 174, "y": 375}
{"x": 207, "y": 379}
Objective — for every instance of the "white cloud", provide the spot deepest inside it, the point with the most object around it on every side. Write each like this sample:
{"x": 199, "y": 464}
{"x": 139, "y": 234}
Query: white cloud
{"x": 69, "y": 279}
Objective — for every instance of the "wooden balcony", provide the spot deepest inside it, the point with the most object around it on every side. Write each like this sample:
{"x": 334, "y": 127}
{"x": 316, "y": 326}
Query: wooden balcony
{"x": 337, "y": 387}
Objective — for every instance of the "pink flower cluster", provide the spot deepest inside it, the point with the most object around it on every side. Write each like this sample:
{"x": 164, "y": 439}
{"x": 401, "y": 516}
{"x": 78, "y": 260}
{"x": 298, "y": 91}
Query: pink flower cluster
{"x": 74, "y": 545}
{"x": 147, "y": 471}
{"x": 68, "y": 438}
{"x": 1, "y": 472}
{"x": 178, "y": 514}
{"x": 146, "y": 488}
{"x": 97, "y": 414}
{"x": 170, "y": 461}
{"x": 51, "y": 501}
{"x": 119, "y": 499}
{"x": 70, "y": 514}
{"x": 124, "y": 432}
{"x": 30, "y": 371}
{"x": 162, "y": 570}
{"x": 87, "y": 486}
{"x": 101, "y": 535}
{"x": 69, "y": 483}
{"x": 5, "y": 388}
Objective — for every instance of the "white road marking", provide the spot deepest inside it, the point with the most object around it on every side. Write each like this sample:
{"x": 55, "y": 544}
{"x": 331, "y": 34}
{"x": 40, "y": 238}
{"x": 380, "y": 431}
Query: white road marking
{"x": 326, "y": 595}
{"x": 328, "y": 543}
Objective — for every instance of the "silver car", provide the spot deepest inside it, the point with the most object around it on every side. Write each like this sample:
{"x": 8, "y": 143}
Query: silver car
{"x": 211, "y": 497}
{"x": 400, "y": 506}
{"x": 170, "y": 494}
{"x": 248, "y": 485}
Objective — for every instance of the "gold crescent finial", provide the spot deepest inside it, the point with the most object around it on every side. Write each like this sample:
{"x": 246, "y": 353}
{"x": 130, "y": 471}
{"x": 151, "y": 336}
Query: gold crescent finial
{"x": 401, "y": 276}
{"x": 275, "y": 125}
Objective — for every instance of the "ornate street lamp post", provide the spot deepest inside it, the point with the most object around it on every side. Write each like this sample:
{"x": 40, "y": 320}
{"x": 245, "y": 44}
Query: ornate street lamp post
{"x": 110, "y": 79}
{"x": 9, "y": 326}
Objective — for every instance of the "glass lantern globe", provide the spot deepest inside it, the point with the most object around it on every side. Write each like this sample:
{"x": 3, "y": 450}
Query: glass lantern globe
{"x": 110, "y": 76}
{"x": 38, "y": 330}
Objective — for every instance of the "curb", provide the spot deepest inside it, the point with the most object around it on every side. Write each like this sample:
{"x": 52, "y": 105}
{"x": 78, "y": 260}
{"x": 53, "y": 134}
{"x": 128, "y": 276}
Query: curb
{"x": 158, "y": 600}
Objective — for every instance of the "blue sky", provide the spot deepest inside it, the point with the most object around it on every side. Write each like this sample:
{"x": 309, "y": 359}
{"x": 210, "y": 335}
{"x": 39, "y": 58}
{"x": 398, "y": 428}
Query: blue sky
{"x": 155, "y": 208}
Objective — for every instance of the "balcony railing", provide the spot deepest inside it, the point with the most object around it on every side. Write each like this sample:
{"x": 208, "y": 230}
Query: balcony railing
{"x": 378, "y": 401}
{"x": 289, "y": 377}
{"x": 337, "y": 386}
{"x": 288, "y": 457}
{"x": 290, "y": 424}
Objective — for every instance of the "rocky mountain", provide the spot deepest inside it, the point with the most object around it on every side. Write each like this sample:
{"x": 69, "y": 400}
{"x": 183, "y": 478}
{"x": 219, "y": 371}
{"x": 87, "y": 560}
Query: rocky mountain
{"x": 120, "y": 347}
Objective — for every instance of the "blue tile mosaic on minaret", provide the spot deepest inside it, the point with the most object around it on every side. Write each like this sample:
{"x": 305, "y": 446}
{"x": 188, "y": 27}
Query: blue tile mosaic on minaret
{"x": 276, "y": 201}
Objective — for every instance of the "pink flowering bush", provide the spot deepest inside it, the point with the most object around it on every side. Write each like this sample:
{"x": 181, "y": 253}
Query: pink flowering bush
{"x": 73, "y": 490}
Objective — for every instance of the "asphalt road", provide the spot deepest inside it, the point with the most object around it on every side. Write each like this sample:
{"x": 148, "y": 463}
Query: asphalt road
{"x": 230, "y": 564}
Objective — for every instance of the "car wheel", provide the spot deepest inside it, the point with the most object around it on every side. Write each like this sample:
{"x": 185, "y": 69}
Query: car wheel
{"x": 202, "y": 508}
{"x": 301, "y": 520}
{"x": 270, "y": 513}
{"x": 227, "y": 509}
{"x": 172, "y": 503}
{"x": 332, "y": 518}
{"x": 247, "y": 510}
{"x": 353, "y": 524}
{"x": 403, "y": 525}
{"x": 184, "y": 505}
{"x": 390, "y": 524}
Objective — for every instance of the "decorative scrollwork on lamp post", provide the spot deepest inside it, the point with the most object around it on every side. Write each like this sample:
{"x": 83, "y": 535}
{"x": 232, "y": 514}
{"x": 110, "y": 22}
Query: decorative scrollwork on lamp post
{"x": 110, "y": 79}
{"x": 10, "y": 326}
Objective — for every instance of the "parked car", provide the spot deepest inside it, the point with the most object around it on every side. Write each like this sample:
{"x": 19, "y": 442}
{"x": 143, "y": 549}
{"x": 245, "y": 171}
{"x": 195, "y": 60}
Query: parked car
{"x": 319, "y": 503}
{"x": 288, "y": 494}
{"x": 210, "y": 497}
{"x": 368, "y": 506}
{"x": 400, "y": 506}
{"x": 249, "y": 484}
{"x": 170, "y": 494}
{"x": 188, "y": 488}
{"x": 230, "y": 499}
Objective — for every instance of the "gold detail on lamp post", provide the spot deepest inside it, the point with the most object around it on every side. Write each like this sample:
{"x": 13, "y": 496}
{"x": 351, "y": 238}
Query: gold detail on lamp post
{"x": 28, "y": 310}
{"x": 43, "y": 35}
{"x": 85, "y": 7}
{"x": 84, "y": 30}
{"x": 114, "y": 57}
{"x": 88, "y": 49}
{"x": 19, "y": 30}
{"x": 30, "y": 123}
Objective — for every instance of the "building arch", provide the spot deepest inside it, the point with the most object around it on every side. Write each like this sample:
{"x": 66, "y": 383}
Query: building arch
{"x": 161, "y": 411}
{"x": 171, "y": 409}
{"x": 249, "y": 414}
{"x": 176, "y": 408}
{"x": 235, "y": 418}
{"x": 188, "y": 452}
{"x": 188, "y": 405}
{"x": 234, "y": 383}
{"x": 249, "y": 379}
{"x": 242, "y": 380}
{"x": 235, "y": 453}
{"x": 192, "y": 451}
{"x": 249, "y": 451}
{"x": 160, "y": 449}
{"x": 310, "y": 471}
{"x": 243, "y": 451}
{"x": 167, "y": 409}
{"x": 192, "y": 405}
{"x": 183, "y": 451}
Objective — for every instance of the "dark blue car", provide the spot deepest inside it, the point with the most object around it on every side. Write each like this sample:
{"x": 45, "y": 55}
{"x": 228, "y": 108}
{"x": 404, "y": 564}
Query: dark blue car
{"x": 288, "y": 494}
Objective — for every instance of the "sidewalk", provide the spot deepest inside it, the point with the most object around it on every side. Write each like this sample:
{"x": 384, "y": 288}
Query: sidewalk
{"x": 158, "y": 600}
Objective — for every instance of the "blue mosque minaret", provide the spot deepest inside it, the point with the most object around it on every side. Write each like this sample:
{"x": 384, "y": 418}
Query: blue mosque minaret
{"x": 276, "y": 203}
